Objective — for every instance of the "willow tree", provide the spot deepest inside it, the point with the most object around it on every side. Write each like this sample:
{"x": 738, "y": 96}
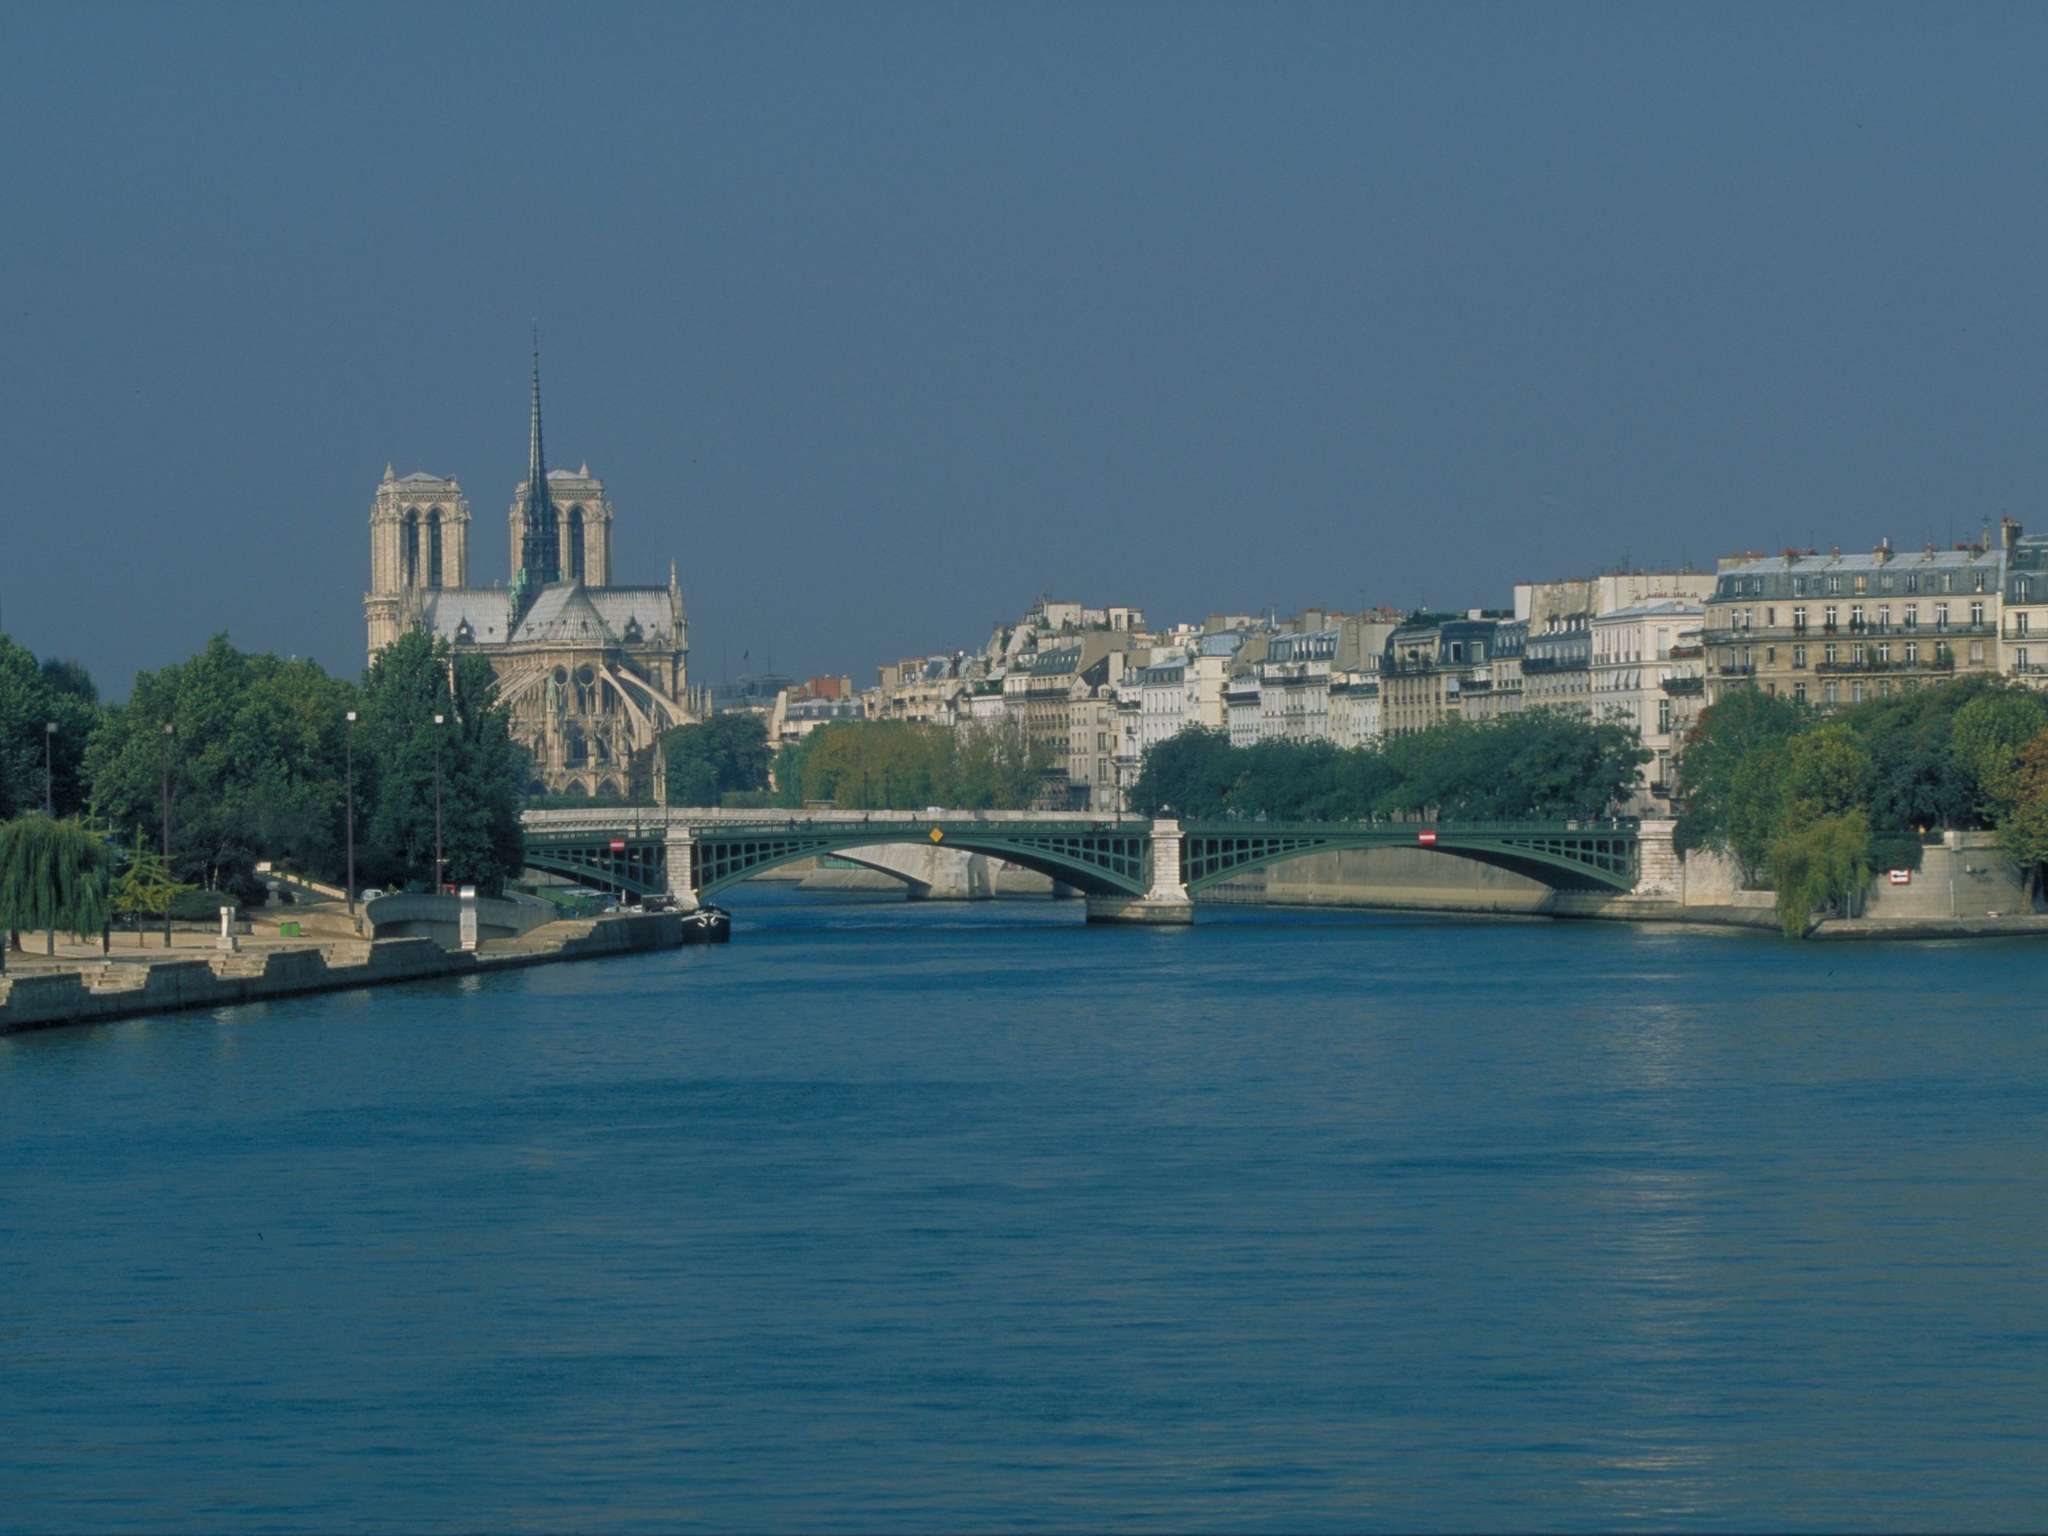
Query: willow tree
{"x": 53, "y": 874}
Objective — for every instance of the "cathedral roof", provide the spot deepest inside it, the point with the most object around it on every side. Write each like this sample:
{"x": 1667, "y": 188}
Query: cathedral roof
{"x": 563, "y": 615}
{"x": 486, "y": 610}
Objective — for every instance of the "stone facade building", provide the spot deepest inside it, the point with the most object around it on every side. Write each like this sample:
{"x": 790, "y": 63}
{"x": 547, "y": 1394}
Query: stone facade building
{"x": 1837, "y": 629}
{"x": 592, "y": 672}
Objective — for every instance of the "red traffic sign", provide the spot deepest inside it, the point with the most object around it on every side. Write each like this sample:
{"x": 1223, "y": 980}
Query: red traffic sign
{"x": 618, "y": 845}
{"x": 1427, "y": 838}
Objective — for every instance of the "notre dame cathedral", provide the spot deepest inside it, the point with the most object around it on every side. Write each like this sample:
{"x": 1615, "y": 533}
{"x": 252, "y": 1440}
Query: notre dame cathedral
{"x": 591, "y": 671}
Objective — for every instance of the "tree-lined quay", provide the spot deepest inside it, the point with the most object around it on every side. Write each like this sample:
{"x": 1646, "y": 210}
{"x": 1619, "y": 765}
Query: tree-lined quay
{"x": 167, "y": 804}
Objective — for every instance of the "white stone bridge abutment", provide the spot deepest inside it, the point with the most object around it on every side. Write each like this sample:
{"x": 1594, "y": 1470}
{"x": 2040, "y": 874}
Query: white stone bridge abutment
{"x": 1167, "y": 902}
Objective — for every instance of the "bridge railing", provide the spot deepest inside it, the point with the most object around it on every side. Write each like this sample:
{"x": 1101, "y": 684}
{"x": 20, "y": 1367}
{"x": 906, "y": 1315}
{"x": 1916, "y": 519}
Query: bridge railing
{"x": 1253, "y": 826}
{"x": 628, "y": 821}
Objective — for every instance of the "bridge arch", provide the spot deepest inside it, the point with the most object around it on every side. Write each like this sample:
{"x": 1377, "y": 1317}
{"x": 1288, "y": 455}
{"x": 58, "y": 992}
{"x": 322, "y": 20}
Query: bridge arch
{"x": 1565, "y": 858}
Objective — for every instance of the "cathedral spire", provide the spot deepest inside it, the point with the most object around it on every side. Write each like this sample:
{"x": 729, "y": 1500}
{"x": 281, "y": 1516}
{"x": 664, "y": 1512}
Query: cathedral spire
{"x": 540, "y": 553}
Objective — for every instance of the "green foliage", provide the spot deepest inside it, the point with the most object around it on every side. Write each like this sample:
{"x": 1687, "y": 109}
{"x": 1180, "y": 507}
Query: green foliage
{"x": 896, "y": 765}
{"x": 53, "y": 875}
{"x": 1189, "y": 775}
{"x": 727, "y": 754}
{"x": 2023, "y": 834}
{"x": 481, "y": 769}
{"x": 196, "y": 906}
{"x": 145, "y": 885}
{"x": 1989, "y": 733}
{"x": 254, "y": 758}
{"x": 1726, "y": 732}
{"x": 33, "y": 696}
{"x": 1820, "y": 865}
{"x": 1543, "y": 764}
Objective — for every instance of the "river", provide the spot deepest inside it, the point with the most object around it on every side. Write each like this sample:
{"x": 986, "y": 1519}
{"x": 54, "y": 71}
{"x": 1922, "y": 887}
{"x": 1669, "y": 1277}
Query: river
{"x": 945, "y": 1217}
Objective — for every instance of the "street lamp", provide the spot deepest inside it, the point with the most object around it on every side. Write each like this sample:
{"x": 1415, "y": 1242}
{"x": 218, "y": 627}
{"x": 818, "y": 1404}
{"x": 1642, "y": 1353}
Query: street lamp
{"x": 49, "y": 778}
{"x": 348, "y": 736}
{"x": 170, "y": 730}
{"x": 439, "y": 721}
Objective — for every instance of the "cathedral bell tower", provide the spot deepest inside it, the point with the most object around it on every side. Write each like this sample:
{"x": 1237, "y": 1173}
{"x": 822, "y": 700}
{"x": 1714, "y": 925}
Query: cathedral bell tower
{"x": 419, "y": 543}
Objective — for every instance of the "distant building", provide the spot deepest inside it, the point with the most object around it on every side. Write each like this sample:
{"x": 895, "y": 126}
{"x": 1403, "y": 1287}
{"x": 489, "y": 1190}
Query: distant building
{"x": 590, "y": 672}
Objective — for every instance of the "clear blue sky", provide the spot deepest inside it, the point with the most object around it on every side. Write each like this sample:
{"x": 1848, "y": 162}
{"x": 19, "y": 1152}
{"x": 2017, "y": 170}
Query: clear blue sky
{"x": 882, "y": 319}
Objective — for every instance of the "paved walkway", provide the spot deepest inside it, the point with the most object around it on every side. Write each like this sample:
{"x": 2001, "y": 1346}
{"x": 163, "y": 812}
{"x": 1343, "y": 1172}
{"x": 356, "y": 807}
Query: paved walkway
{"x": 320, "y": 922}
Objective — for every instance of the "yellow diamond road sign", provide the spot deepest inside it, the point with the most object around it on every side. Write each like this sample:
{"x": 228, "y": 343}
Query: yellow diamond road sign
{"x": 938, "y": 836}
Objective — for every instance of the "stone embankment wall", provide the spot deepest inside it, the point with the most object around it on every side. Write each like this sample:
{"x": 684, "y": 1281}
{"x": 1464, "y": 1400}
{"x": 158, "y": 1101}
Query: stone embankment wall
{"x": 1966, "y": 883}
{"x": 123, "y": 991}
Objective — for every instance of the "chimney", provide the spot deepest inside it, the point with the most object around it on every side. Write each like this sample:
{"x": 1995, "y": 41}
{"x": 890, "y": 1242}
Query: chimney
{"x": 2008, "y": 532}
{"x": 1884, "y": 550}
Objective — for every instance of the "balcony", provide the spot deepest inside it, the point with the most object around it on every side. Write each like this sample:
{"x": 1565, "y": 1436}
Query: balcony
{"x": 1937, "y": 664}
{"x": 1685, "y": 687}
{"x": 1736, "y": 671}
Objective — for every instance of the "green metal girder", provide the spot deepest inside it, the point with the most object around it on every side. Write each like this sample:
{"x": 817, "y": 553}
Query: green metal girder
{"x": 1578, "y": 858}
{"x": 1104, "y": 863}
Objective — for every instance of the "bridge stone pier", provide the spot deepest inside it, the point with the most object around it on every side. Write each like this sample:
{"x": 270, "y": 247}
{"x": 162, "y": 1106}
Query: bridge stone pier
{"x": 1166, "y": 902}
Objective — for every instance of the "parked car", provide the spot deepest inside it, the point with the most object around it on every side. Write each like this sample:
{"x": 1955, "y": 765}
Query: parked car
{"x": 374, "y": 893}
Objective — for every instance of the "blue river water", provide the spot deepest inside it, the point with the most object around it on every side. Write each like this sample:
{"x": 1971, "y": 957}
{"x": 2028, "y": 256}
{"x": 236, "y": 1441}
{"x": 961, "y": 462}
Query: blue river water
{"x": 945, "y": 1217}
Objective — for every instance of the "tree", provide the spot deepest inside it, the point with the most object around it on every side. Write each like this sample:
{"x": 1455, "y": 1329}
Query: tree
{"x": 1823, "y": 864}
{"x": 32, "y": 697}
{"x": 1989, "y": 733}
{"x": 727, "y": 754}
{"x": 53, "y": 874}
{"x": 255, "y": 761}
{"x": 2024, "y": 832}
{"x": 1726, "y": 732}
{"x": 1189, "y": 775}
{"x": 482, "y": 770}
{"x": 144, "y": 886}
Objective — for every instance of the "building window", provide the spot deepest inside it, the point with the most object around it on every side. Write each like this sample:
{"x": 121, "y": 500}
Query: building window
{"x": 1799, "y": 692}
{"x": 1856, "y": 692}
{"x": 1912, "y": 615}
{"x": 1770, "y": 618}
{"x": 1834, "y": 586}
{"x": 1799, "y": 619}
{"x": 1941, "y": 615}
{"x": 1884, "y": 652}
{"x": 1798, "y": 656}
{"x": 1831, "y": 694}
{"x": 1912, "y": 650}
{"x": 1979, "y": 587}
{"x": 1976, "y": 613}
{"x": 1770, "y": 655}
{"x": 1828, "y": 616}
{"x": 1664, "y": 716}
{"x": 1855, "y": 615}
{"x": 2019, "y": 659}
{"x": 1862, "y": 583}
{"x": 1884, "y": 615}
{"x": 1828, "y": 655}
{"x": 1976, "y": 651}
{"x": 2020, "y": 588}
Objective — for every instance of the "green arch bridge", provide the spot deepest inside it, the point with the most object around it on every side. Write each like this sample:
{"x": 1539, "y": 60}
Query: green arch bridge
{"x": 1131, "y": 868}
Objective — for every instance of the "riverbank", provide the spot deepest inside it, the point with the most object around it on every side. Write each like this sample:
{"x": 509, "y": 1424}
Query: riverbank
{"x": 46, "y": 998}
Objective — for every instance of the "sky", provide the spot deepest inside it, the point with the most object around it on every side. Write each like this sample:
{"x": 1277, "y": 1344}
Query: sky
{"x": 883, "y": 320}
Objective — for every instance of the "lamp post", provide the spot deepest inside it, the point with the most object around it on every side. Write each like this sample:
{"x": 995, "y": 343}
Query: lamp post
{"x": 49, "y": 776}
{"x": 439, "y": 720}
{"x": 348, "y": 736}
{"x": 170, "y": 730}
